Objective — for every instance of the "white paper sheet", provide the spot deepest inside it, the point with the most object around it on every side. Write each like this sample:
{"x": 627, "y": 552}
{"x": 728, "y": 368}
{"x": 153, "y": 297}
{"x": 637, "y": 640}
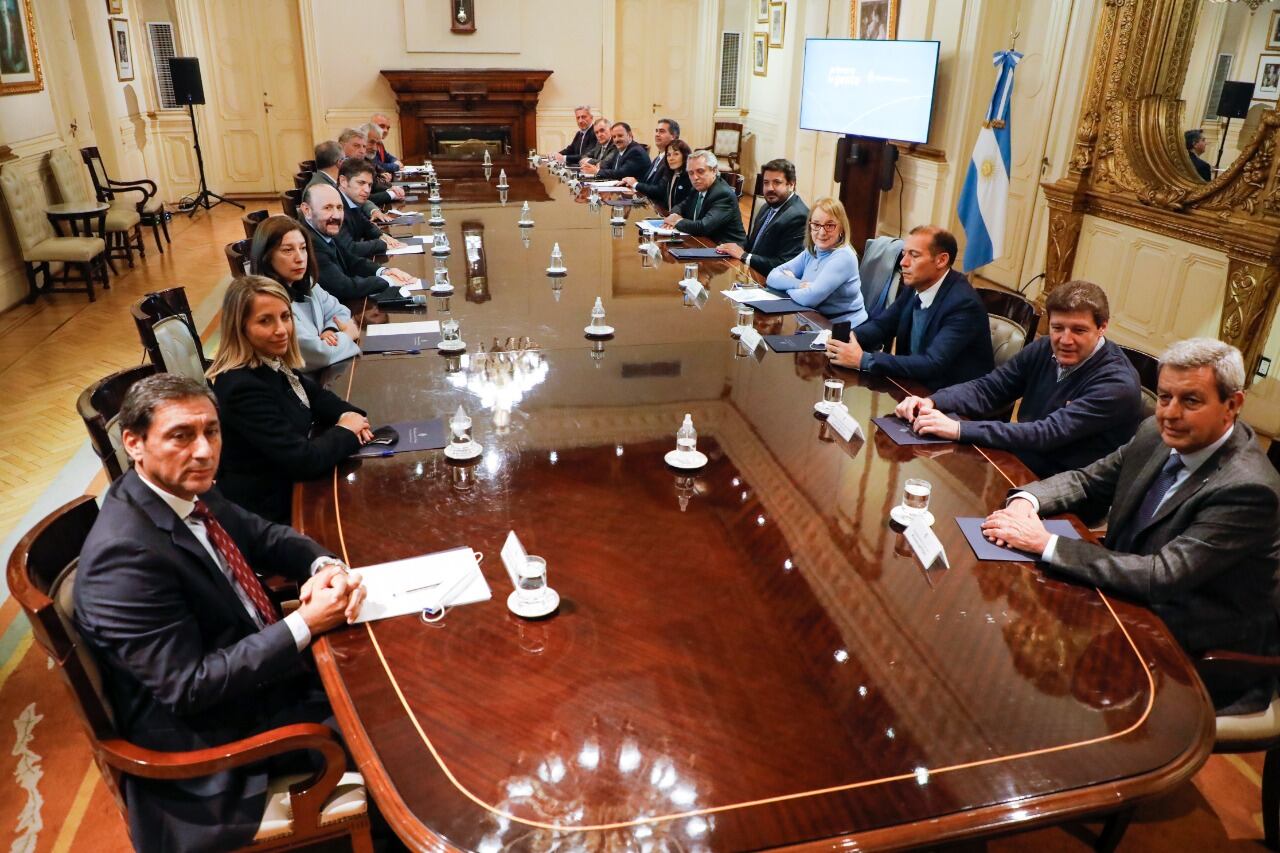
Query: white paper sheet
{"x": 412, "y": 249}
{"x": 750, "y": 294}
{"x": 654, "y": 226}
{"x": 421, "y": 327}
{"x": 406, "y": 586}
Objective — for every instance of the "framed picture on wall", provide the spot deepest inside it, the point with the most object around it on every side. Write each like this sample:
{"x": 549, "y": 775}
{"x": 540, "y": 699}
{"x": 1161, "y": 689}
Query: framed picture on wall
{"x": 120, "y": 45}
{"x": 759, "y": 54}
{"x": 115, "y": 7}
{"x": 777, "y": 23}
{"x": 873, "y": 19}
{"x": 1266, "y": 85}
{"x": 762, "y": 11}
{"x": 19, "y": 54}
{"x": 1273, "y": 32}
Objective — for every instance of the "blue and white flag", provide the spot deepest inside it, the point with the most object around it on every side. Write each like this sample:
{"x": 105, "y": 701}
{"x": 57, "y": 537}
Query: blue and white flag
{"x": 985, "y": 195}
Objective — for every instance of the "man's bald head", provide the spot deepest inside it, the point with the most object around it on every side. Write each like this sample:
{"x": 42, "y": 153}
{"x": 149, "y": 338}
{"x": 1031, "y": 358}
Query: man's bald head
{"x": 322, "y": 207}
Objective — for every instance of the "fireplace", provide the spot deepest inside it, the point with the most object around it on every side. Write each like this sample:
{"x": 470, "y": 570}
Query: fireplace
{"x": 454, "y": 116}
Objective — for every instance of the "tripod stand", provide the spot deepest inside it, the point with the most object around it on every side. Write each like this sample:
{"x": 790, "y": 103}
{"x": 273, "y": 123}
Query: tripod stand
{"x": 202, "y": 196}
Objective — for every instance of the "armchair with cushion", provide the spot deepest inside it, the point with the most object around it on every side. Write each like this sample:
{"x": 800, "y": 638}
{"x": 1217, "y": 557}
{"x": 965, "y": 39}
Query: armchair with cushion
{"x": 99, "y": 408}
{"x": 129, "y": 195}
{"x": 726, "y": 144}
{"x": 168, "y": 332}
{"x": 250, "y": 221}
{"x": 124, "y": 226}
{"x": 1148, "y": 367}
{"x": 41, "y": 247}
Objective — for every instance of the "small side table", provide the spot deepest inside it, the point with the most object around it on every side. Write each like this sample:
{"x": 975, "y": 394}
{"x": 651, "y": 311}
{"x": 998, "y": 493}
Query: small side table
{"x": 79, "y": 216}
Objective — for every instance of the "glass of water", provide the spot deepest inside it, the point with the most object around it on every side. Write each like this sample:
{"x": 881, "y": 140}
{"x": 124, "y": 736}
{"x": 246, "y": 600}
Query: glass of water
{"x": 532, "y": 581}
{"x": 832, "y": 394}
{"x": 746, "y": 316}
{"x": 450, "y": 333}
{"x": 915, "y": 497}
{"x": 690, "y": 272}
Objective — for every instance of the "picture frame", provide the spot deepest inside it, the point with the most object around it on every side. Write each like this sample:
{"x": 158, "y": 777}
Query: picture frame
{"x": 873, "y": 19}
{"x": 762, "y": 11}
{"x": 777, "y": 23}
{"x": 760, "y": 54}
{"x": 115, "y": 7}
{"x": 19, "y": 60}
{"x": 121, "y": 48}
{"x": 1273, "y": 32}
{"x": 1266, "y": 82}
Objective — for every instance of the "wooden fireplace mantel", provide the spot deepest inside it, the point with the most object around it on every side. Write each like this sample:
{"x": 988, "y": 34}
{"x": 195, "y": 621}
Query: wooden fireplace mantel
{"x": 433, "y": 100}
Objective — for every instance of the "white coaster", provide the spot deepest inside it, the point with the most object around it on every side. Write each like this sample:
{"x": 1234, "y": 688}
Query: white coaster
{"x": 525, "y": 223}
{"x": 822, "y": 407}
{"x": 441, "y": 290}
{"x": 900, "y": 514}
{"x": 557, "y": 270}
{"x": 468, "y": 451}
{"x": 687, "y": 460}
{"x": 550, "y": 601}
{"x": 598, "y": 331}
{"x": 452, "y": 346}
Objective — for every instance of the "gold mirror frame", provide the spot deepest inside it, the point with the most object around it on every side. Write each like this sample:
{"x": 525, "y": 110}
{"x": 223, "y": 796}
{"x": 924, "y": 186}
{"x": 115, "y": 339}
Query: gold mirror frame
{"x": 1127, "y": 166}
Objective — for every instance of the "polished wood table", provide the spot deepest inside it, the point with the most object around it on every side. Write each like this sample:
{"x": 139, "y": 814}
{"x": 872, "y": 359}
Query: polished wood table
{"x": 746, "y": 656}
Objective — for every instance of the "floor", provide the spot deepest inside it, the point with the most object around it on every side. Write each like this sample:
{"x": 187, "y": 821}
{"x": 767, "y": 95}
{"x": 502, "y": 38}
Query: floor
{"x": 52, "y": 350}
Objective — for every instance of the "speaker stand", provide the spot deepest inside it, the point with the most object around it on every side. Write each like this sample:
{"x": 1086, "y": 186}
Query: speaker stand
{"x": 859, "y": 161}
{"x": 1222, "y": 140}
{"x": 203, "y": 196}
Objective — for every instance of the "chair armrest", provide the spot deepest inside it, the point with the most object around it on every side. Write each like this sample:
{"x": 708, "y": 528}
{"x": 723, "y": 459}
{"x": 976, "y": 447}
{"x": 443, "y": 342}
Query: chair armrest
{"x": 1238, "y": 664}
{"x": 143, "y": 185}
{"x": 306, "y": 797}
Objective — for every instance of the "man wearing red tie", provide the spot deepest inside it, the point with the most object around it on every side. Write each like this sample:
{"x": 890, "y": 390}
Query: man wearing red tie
{"x": 194, "y": 654}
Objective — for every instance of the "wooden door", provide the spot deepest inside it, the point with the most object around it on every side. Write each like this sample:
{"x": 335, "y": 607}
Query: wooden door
{"x": 284, "y": 88}
{"x": 655, "y": 75}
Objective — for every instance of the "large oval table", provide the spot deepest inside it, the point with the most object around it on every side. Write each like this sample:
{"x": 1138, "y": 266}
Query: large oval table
{"x": 746, "y": 657}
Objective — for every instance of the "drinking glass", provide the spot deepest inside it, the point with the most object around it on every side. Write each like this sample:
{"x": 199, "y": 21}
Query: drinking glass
{"x": 833, "y": 392}
{"x": 531, "y": 586}
{"x": 690, "y": 272}
{"x": 746, "y": 316}
{"x": 915, "y": 497}
{"x": 450, "y": 333}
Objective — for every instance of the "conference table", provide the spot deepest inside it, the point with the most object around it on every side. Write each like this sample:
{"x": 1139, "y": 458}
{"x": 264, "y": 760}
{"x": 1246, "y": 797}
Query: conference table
{"x": 745, "y": 656}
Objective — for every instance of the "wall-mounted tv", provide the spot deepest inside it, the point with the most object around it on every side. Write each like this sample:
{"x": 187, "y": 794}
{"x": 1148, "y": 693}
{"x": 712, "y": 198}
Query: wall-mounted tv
{"x": 863, "y": 87}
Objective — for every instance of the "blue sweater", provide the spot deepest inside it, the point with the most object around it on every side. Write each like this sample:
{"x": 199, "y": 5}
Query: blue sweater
{"x": 827, "y": 282}
{"x": 1061, "y": 425}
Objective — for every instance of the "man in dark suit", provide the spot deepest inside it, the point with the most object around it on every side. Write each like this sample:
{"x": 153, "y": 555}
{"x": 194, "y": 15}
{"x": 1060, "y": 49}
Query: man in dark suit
{"x": 193, "y": 653}
{"x": 1196, "y": 144}
{"x": 355, "y": 182}
{"x": 667, "y": 131}
{"x": 344, "y": 275}
{"x": 1193, "y": 518}
{"x": 601, "y": 148}
{"x": 628, "y": 159}
{"x": 937, "y": 325}
{"x": 583, "y": 141}
{"x": 329, "y": 159}
{"x": 711, "y": 210}
{"x": 383, "y": 158}
{"x": 1081, "y": 397}
{"x": 355, "y": 143}
{"x": 777, "y": 232}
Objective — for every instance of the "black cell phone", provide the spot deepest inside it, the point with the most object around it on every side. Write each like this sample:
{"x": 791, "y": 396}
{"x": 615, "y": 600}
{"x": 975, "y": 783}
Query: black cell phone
{"x": 840, "y": 331}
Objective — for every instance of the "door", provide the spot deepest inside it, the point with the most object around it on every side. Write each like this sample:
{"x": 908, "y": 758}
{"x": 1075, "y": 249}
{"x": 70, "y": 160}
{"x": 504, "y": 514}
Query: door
{"x": 656, "y": 76}
{"x": 284, "y": 88}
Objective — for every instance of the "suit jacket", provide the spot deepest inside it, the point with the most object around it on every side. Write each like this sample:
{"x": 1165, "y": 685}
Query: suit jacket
{"x": 720, "y": 219}
{"x": 385, "y": 159}
{"x": 1207, "y": 563}
{"x": 675, "y": 187}
{"x": 784, "y": 238}
{"x": 342, "y": 273}
{"x": 270, "y": 440}
{"x": 630, "y": 162}
{"x": 956, "y": 345}
{"x": 584, "y": 141}
{"x": 319, "y": 177}
{"x": 184, "y": 665}
{"x": 657, "y": 172}
{"x": 364, "y": 239}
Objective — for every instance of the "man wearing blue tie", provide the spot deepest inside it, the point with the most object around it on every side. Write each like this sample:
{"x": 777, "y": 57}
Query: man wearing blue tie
{"x": 777, "y": 233}
{"x": 1193, "y": 519}
{"x": 667, "y": 131}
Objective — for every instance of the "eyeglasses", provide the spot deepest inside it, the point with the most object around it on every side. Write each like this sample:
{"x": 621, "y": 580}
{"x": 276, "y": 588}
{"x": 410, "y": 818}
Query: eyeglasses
{"x": 829, "y": 227}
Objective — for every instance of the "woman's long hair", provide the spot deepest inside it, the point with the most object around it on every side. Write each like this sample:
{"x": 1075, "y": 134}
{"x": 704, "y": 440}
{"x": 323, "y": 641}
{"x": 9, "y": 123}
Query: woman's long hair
{"x": 833, "y": 208}
{"x": 684, "y": 149}
{"x": 268, "y": 236}
{"x": 234, "y": 350}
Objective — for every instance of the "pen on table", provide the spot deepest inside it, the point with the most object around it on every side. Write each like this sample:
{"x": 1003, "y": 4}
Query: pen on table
{"x": 400, "y": 352}
{"x": 415, "y": 589}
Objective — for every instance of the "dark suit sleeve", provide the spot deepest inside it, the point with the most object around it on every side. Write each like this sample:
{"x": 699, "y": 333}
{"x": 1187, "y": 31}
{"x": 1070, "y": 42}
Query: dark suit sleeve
{"x": 718, "y": 215}
{"x": 955, "y": 332}
{"x": 253, "y": 409}
{"x": 877, "y": 332}
{"x": 326, "y": 406}
{"x": 1088, "y": 492}
{"x": 335, "y": 280}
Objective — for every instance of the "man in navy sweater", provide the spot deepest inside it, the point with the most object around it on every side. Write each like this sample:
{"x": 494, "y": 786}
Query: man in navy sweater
{"x": 1081, "y": 398}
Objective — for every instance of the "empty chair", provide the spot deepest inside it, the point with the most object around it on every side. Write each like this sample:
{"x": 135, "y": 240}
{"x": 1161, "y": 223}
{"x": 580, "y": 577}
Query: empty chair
{"x": 734, "y": 180}
{"x": 306, "y": 165}
{"x": 99, "y": 408}
{"x": 300, "y": 810}
{"x": 301, "y": 180}
{"x": 135, "y": 195}
{"x": 250, "y": 221}
{"x": 238, "y": 257}
{"x": 1013, "y": 321}
{"x": 289, "y": 200}
{"x": 168, "y": 332}
{"x": 726, "y": 143}
{"x": 1148, "y": 367}
{"x": 41, "y": 246}
{"x": 124, "y": 225}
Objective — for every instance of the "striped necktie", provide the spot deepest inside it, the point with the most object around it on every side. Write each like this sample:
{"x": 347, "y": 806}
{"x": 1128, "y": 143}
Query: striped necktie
{"x": 764, "y": 224}
{"x": 234, "y": 558}
{"x": 1155, "y": 496}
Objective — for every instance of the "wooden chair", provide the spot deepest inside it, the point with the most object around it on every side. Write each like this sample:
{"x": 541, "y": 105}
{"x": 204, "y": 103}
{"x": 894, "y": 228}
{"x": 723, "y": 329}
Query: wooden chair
{"x": 250, "y": 221}
{"x": 726, "y": 143}
{"x": 301, "y": 180}
{"x": 306, "y": 165}
{"x": 123, "y": 224}
{"x": 99, "y": 408}
{"x": 289, "y": 200}
{"x": 1148, "y": 367}
{"x": 40, "y": 246}
{"x": 300, "y": 810}
{"x": 149, "y": 208}
{"x": 1013, "y": 320}
{"x": 238, "y": 257}
{"x": 734, "y": 180}
{"x": 168, "y": 332}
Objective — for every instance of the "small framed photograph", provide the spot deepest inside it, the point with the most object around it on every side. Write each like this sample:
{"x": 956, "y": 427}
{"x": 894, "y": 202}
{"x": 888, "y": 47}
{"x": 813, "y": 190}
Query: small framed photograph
{"x": 115, "y": 7}
{"x": 762, "y": 11}
{"x": 19, "y": 53}
{"x": 777, "y": 23}
{"x": 873, "y": 19}
{"x": 760, "y": 54}
{"x": 1273, "y": 32}
{"x": 123, "y": 52}
{"x": 1266, "y": 85}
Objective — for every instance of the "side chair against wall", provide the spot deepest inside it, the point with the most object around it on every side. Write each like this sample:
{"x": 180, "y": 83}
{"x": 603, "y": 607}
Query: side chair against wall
{"x": 301, "y": 810}
{"x": 129, "y": 195}
{"x": 726, "y": 143}
{"x": 41, "y": 247}
{"x": 168, "y": 332}
{"x": 124, "y": 226}
{"x": 99, "y": 408}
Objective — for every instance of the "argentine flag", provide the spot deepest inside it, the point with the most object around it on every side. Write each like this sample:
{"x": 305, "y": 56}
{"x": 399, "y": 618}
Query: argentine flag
{"x": 985, "y": 195}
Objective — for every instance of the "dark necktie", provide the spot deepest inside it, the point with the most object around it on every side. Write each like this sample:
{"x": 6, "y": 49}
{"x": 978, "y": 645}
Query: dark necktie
{"x": 1151, "y": 502}
{"x": 764, "y": 223}
{"x": 697, "y": 206}
{"x": 918, "y": 322}
{"x": 240, "y": 571}
{"x": 653, "y": 170}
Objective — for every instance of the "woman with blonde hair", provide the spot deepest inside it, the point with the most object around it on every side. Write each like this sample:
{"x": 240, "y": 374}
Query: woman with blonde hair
{"x": 825, "y": 275}
{"x": 278, "y": 426}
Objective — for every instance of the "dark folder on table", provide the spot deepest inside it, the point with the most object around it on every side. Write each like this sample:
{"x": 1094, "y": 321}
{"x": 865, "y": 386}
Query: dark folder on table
{"x": 414, "y": 435}
{"x": 985, "y": 549}
{"x": 777, "y": 306}
{"x": 901, "y": 433}
{"x": 791, "y": 343}
{"x": 698, "y": 255}
{"x": 420, "y": 341}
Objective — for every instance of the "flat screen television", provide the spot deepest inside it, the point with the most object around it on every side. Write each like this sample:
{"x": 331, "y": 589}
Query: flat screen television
{"x": 863, "y": 87}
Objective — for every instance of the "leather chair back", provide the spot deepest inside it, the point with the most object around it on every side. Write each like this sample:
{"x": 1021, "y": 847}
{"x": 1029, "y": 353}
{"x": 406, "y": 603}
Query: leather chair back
{"x": 238, "y": 258}
{"x": 289, "y": 201}
{"x": 877, "y": 264}
{"x": 734, "y": 180}
{"x": 168, "y": 333}
{"x": 1007, "y": 338}
{"x": 68, "y": 176}
{"x": 306, "y": 165}
{"x": 1009, "y": 313}
{"x": 301, "y": 179}
{"x": 1148, "y": 367}
{"x": 99, "y": 408}
{"x": 26, "y": 210}
{"x": 250, "y": 221}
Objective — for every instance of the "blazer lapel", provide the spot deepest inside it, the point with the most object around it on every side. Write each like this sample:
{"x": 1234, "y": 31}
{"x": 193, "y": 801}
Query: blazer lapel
{"x": 1196, "y": 481}
{"x": 1128, "y": 501}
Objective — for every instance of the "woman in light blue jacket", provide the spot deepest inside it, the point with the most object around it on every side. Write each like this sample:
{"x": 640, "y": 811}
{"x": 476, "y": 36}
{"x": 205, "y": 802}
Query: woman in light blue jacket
{"x": 824, "y": 276}
{"x": 326, "y": 333}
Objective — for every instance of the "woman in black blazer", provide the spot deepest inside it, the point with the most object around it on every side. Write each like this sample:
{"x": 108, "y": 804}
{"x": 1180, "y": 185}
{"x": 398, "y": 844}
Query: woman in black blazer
{"x": 277, "y": 425}
{"x": 672, "y": 182}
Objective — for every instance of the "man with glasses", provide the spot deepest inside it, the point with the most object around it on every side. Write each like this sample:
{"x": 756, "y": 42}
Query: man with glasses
{"x": 711, "y": 210}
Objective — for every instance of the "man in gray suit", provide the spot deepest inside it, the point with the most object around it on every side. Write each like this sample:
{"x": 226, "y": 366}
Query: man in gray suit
{"x": 1193, "y": 518}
